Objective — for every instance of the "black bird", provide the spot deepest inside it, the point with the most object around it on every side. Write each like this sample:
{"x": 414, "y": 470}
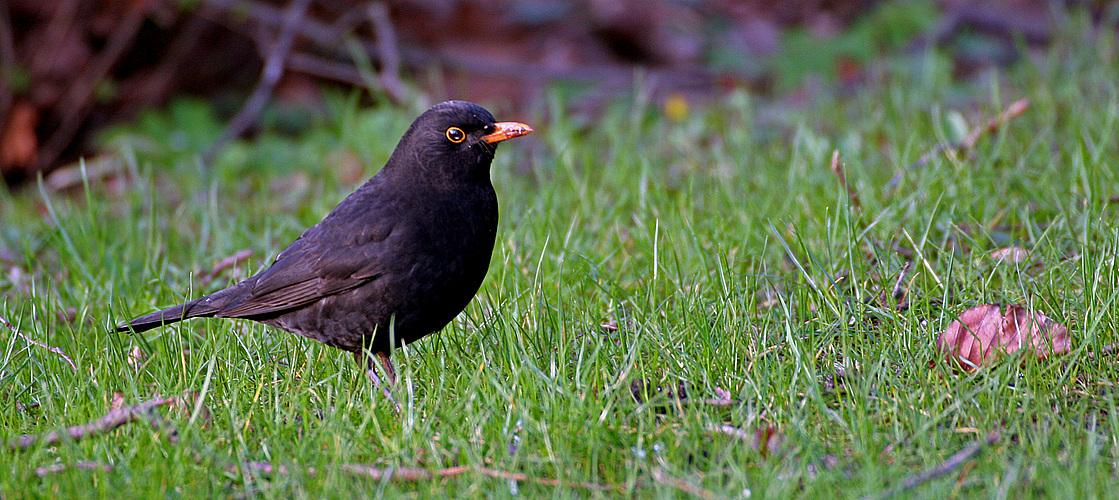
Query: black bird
{"x": 397, "y": 259}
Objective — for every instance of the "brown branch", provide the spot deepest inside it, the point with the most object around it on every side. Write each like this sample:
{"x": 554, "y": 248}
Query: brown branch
{"x": 226, "y": 263}
{"x": 953, "y": 462}
{"x": 325, "y": 68}
{"x": 734, "y": 432}
{"x": 320, "y": 33}
{"x": 687, "y": 487}
{"x": 717, "y": 402}
{"x": 28, "y": 407}
{"x": 79, "y": 97}
{"x": 968, "y": 142}
{"x": 679, "y": 396}
{"x": 328, "y": 37}
{"x": 111, "y": 420}
{"x": 413, "y": 474}
{"x": 154, "y": 85}
{"x": 269, "y": 76}
{"x": 765, "y": 439}
{"x": 405, "y": 474}
{"x": 837, "y": 169}
{"x": 388, "y": 51}
{"x": 1105, "y": 350}
{"x": 711, "y": 402}
{"x": 7, "y": 59}
{"x": 1016, "y": 108}
{"x": 62, "y": 20}
{"x": 27, "y": 339}
{"x": 79, "y": 465}
{"x": 518, "y": 476}
{"x": 898, "y": 293}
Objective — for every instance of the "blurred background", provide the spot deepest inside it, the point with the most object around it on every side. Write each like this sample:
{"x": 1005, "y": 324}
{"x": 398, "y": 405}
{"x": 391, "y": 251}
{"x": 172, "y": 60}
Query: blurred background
{"x": 74, "y": 68}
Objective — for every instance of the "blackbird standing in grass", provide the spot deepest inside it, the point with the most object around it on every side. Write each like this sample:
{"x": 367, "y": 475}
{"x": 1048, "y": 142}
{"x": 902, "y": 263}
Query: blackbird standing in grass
{"x": 398, "y": 259}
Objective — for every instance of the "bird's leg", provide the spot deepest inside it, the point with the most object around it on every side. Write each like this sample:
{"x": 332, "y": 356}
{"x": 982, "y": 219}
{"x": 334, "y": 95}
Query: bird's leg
{"x": 365, "y": 358}
{"x": 386, "y": 363}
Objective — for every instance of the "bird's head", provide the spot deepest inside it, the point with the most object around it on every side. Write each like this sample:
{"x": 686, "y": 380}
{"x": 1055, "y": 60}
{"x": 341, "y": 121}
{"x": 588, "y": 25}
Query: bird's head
{"x": 455, "y": 140}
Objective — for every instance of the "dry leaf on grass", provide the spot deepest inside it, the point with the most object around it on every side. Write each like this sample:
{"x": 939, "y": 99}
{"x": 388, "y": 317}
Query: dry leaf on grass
{"x": 1010, "y": 255}
{"x": 765, "y": 439}
{"x": 984, "y": 332}
{"x": 19, "y": 146}
{"x": 137, "y": 357}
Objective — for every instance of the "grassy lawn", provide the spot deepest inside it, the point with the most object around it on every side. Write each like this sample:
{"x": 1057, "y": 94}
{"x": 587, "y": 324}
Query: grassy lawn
{"x": 713, "y": 249}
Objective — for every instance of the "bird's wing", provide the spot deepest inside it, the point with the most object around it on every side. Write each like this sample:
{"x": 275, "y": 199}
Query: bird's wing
{"x": 336, "y": 255}
{"x": 305, "y": 276}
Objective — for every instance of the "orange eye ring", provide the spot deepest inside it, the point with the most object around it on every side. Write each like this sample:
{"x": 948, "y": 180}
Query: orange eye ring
{"x": 456, "y": 135}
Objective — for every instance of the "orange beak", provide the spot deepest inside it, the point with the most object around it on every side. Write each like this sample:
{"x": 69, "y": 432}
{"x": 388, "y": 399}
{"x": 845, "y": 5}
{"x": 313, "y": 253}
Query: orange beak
{"x": 507, "y": 130}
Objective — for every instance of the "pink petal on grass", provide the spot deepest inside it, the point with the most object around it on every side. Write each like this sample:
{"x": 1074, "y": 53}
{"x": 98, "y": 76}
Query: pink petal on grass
{"x": 1010, "y": 255}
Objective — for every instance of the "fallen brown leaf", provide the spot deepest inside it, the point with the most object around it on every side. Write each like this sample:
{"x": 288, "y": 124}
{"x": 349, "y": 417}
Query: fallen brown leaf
{"x": 75, "y": 175}
{"x": 1010, "y": 255}
{"x": 137, "y": 357}
{"x": 19, "y": 146}
{"x": 984, "y": 332}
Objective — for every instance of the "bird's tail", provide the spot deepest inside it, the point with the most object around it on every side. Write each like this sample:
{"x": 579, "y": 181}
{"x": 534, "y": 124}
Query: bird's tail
{"x": 166, "y": 317}
{"x": 208, "y": 306}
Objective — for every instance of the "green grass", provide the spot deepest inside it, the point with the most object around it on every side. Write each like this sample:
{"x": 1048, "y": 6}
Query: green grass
{"x": 714, "y": 244}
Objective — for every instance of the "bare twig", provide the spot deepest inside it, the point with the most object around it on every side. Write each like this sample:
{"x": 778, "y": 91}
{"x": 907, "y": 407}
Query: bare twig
{"x": 155, "y": 84}
{"x": 734, "y": 432}
{"x": 968, "y": 142}
{"x": 387, "y": 50}
{"x": 403, "y": 474}
{"x": 687, "y": 487}
{"x": 62, "y": 20}
{"x": 158, "y": 423}
{"x": 412, "y": 474}
{"x": 79, "y": 97}
{"x": 322, "y": 34}
{"x": 226, "y": 263}
{"x": 837, "y": 169}
{"x": 1016, "y": 108}
{"x": 953, "y": 462}
{"x": 408, "y": 474}
{"x": 722, "y": 398}
{"x": 718, "y": 402}
{"x": 898, "y": 293}
{"x": 80, "y": 465}
{"x": 266, "y": 468}
{"x": 343, "y": 72}
{"x": 1104, "y": 351}
{"x": 7, "y": 59}
{"x": 28, "y": 407}
{"x": 518, "y": 476}
{"x": 765, "y": 439}
{"x": 273, "y": 69}
{"x": 27, "y": 339}
{"x": 902, "y": 251}
{"x": 663, "y": 478}
{"x": 327, "y": 36}
{"x": 679, "y": 397}
{"x": 113, "y": 419}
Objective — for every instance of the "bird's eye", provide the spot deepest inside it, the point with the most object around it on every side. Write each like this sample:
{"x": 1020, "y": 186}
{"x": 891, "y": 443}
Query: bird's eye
{"x": 455, "y": 135}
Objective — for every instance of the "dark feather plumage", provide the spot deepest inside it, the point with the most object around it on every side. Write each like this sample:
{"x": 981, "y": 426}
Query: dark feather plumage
{"x": 406, "y": 250}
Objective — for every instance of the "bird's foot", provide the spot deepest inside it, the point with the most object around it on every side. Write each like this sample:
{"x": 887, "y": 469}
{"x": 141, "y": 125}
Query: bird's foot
{"x": 372, "y": 373}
